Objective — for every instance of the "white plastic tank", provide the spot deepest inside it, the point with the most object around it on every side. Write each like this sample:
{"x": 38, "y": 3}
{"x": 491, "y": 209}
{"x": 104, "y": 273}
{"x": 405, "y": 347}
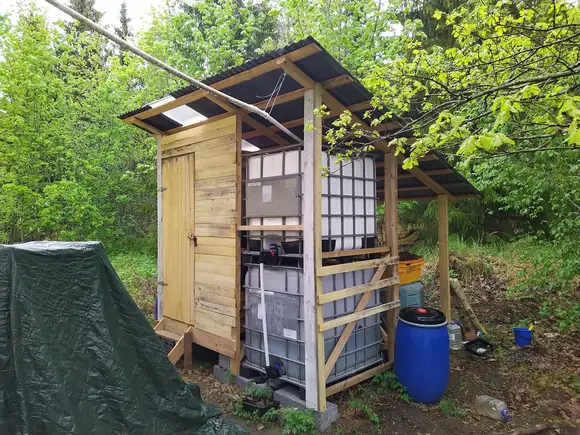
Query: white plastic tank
{"x": 348, "y": 197}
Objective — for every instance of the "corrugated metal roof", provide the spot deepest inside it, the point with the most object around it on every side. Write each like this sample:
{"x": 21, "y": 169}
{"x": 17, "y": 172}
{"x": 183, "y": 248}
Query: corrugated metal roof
{"x": 320, "y": 67}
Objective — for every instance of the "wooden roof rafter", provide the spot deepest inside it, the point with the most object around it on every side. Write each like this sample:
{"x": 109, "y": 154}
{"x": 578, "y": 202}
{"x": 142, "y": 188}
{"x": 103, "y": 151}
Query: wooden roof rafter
{"x": 272, "y": 65}
{"x": 336, "y": 107}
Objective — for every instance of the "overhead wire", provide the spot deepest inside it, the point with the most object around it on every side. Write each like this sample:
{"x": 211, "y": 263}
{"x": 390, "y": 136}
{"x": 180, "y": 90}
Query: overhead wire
{"x": 153, "y": 60}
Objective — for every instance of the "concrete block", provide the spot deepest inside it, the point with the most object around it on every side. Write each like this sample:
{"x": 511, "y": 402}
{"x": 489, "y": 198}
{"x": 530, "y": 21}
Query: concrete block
{"x": 222, "y": 375}
{"x": 224, "y": 361}
{"x": 288, "y": 396}
{"x": 225, "y": 376}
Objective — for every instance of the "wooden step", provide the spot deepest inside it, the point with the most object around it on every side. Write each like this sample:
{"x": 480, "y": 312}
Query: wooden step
{"x": 168, "y": 335}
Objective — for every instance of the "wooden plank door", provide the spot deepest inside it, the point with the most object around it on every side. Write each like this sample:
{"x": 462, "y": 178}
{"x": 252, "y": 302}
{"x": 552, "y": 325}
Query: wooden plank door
{"x": 178, "y": 175}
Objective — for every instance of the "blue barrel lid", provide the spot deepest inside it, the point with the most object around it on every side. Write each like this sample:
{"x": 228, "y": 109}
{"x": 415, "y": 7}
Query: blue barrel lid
{"x": 422, "y": 316}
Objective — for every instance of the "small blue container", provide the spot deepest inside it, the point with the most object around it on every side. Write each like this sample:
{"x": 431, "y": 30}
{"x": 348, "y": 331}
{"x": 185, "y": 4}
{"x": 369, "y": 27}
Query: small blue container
{"x": 523, "y": 336}
{"x": 422, "y": 353}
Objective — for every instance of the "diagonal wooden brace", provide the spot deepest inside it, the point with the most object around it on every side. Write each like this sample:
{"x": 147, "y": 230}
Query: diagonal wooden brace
{"x": 350, "y": 327}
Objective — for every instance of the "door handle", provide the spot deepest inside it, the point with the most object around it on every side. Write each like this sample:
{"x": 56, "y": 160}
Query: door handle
{"x": 192, "y": 236}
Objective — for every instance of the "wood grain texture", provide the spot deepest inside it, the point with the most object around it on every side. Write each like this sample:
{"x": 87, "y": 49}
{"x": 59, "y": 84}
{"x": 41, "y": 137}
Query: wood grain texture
{"x": 200, "y": 167}
{"x": 443, "y": 233}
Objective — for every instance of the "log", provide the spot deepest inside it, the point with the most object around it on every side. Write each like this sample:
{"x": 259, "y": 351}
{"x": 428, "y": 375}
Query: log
{"x": 458, "y": 291}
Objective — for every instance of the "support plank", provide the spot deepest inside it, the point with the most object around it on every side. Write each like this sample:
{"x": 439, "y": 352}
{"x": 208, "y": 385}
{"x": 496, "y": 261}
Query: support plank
{"x": 271, "y": 65}
{"x": 443, "y": 233}
{"x": 354, "y": 252}
{"x": 159, "y": 311}
{"x": 336, "y": 388}
{"x": 350, "y": 327}
{"x": 392, "y": 241}
{"x": 187, "y": 351}
{"x": 356, "y": 290}
{"x": 358, "y": 316}
{"x": 313, "y": 340}
{"x": 270, "y": 227}
{"x": 356, "y": 265}
{"x": 257, "y": 125}
{"x": 236, "y": 363}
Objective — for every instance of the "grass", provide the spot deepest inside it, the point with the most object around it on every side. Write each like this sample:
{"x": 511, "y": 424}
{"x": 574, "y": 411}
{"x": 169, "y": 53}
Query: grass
{"x": 138, "y": 273}
{"x": 451, "y": 409}
{"x": 548, "y": 273}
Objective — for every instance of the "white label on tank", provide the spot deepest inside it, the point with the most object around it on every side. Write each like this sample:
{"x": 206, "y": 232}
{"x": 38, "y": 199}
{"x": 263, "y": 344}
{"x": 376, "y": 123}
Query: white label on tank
{"x": 267, "y": 193}
{"x": 290, "y": 333}
{"x": 254, "y": 184}
{"x": 260, "y": 311}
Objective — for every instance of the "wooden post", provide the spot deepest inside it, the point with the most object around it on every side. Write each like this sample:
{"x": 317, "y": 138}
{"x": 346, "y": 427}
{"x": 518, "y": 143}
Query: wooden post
{"x": 159, "y": 232}
{"x": 236, "y": 362}
{"x": 187, "y": 349}
{"x": 392, "y": 241}
{"x": 443, "y": 226}
{"x": 312, "y": 221}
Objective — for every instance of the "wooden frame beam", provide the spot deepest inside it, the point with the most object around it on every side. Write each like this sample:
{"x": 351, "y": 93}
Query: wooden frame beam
{"x": 356, "y": 290}
{"x": 357, "y": 379}
{"x": 353, "y": 252}
{"x": 434, "y": 197}
{"x": 347, "y": 331}
{"x": 443, "y": 235}
{"x": 312, "y": 221}
{"x": 337, "y": 82}
{"x": 419, "y": 188}
{"x": 270, "y": 227}
{"x": 392, "y": 242}
{"x": 271, "y": 65}
{"x": 356, "y": 265}
{"x": 147, "y": 127}
{"x": 354, "y": 317}
{"x": 258, "y": 126}
{"x": 432, "y": 172}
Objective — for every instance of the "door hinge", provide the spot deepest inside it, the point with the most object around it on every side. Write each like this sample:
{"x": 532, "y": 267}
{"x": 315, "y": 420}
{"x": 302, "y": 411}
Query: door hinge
{"x": 161, "y": 189}
{"x": 162, "y": 283}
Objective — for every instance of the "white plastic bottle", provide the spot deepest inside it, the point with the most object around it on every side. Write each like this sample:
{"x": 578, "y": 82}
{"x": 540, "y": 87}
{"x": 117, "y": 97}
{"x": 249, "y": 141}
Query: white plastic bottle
{"x": 455, "y": 336}
{"x": 493, "y": 408}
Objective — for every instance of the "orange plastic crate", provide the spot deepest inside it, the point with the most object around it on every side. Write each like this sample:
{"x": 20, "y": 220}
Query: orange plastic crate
{"x": 410, "y": 267}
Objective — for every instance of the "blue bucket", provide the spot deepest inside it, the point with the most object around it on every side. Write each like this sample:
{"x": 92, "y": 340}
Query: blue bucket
{"x": 523, "y": 336}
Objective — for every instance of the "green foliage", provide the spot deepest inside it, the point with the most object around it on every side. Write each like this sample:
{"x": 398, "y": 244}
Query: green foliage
{"x": 258, "y": 392}
{"x": 451, "y": 409}
{"x": 575, "y": 385}
{"x": 298, "y": 421}
{"x": 389, "y": 382}
{"x": 271, "y": 416}
{"x": 367, "y": 412}
{"x": 138, "y": 273}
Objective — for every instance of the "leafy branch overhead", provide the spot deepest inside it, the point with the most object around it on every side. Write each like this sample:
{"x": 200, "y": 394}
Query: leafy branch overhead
{"x": 507, "y": 82}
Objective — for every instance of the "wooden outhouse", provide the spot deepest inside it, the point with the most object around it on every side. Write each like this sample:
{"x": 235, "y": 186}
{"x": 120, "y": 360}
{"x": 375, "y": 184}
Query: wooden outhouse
{"x": 234, "y": 191}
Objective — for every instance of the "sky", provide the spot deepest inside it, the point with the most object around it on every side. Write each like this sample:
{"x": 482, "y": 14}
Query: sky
{"x": 137, "y": 9}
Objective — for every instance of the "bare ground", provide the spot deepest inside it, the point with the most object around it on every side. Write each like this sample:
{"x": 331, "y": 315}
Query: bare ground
{"x": 537, "y": 383}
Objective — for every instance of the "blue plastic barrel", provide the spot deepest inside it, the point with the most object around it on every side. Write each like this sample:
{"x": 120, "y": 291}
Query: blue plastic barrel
{"x": 523, "y": 336}
{"x": 422, "y": 353}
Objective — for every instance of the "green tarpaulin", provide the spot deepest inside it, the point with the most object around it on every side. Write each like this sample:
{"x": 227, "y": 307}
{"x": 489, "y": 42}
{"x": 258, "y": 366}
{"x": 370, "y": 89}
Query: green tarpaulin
{"x": 78, "y": 357}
